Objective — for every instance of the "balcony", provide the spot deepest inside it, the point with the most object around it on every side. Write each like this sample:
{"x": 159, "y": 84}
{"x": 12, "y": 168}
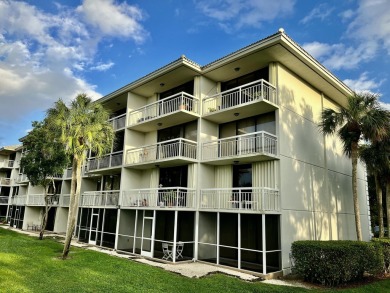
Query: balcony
{"x": 4, "y": 199}
{"x": 5, "y": 181}
{"x": 118, "y": 122}
{"x": 22, "y": 178}
{"x": 258, "y": 146}
{"x": 100, "y": 198}
{"x": 68, "y": 173}
{"x": 248, "y": 199}
{"x": 64, "y": 200}
{"x": 180, "y": 108}
{"x": 167, "y": 197}
{"x": 251, "y": 99}
{"x": 177, "y": 151}
{"x": 109, "y": 161}
{"x": 19, "y": 200}
{"x": 39, "y": 200}
{"x": 6, "y": 164}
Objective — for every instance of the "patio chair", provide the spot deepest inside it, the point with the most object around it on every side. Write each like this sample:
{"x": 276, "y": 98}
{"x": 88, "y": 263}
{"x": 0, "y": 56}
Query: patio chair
{"x": 179, "y": 249}
{"x": 167, "y": 252}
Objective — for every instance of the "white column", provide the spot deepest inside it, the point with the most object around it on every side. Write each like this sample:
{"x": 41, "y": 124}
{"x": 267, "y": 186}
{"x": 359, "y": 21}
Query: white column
{"x": 264, "y": 244}
{"x": 174, "y": 237}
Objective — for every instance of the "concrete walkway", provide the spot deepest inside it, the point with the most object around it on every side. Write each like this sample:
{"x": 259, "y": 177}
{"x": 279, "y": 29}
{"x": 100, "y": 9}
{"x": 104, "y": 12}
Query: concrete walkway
{"x": 187, "y": 269}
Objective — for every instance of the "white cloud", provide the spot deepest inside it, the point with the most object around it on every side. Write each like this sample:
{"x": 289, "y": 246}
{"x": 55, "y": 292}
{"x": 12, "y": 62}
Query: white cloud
{"x": 338, "y": 56}
{"x": 234, "y": 14}
{"x": 363, "y": 83}
{"x": 372, "y": 22}
{"x": 114, "y": 19}
{"x": 321, "y": 12}
{"x": 42, "y": 54}
{"x": 102, "y": 66}
{"x": 347, "y": 14}
{"x": 385, "y": 105}
{"x": 369, "y": 30}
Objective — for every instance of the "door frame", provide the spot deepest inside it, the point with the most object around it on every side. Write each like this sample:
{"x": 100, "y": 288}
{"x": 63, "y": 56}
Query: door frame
{"x": 91, "y": 229}
{"x": 151, "y": 239}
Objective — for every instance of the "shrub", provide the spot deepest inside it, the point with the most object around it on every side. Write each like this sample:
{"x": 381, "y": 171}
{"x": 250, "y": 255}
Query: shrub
{"x": 385, "y": 243}
{"x": 334, "y": 262}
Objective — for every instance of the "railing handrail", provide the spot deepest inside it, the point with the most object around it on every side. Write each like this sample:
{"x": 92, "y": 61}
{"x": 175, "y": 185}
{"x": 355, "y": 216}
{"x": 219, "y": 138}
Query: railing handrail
{"x": 161, "y": 143}
{"x": 241, "y": 136}
{"x": 240, "y": 188}
{"x": 239, "y": 88}
{"x": 159, "y": 188}
{"x": 99, "y": 192}
{"x": 117, "y": 117}
{"x": 180, "y": 94}
{"x": 107, "y": 155}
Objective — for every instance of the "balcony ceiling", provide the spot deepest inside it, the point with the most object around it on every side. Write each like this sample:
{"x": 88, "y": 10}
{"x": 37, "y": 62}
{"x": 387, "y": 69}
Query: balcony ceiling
{"x": 176, "y": 76}
{"x": 116, "y": 103}
{"x": 284, "y": 53}
{"x": 240, "y": 159}
{"x": 165, "y": 121}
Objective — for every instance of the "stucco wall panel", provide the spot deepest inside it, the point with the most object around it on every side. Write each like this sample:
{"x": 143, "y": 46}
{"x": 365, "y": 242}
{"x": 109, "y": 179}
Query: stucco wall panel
{"x": 300, "y": 138}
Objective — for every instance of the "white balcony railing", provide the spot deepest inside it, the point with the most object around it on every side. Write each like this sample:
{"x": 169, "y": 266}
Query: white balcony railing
{"x": 260, "y": 142}
{"x": 108, "y": 161}
{"x": 19, "y": 200}
{"x": 5, "y": 181}
{"x": 68, "y": 173}
{"x": 39, "y": 199}
{"x": 4, "y": 199}
{"x": 178, "y": 102}
{"x": 64, "y": 200}
{"x": 248, "y": 199}
{"x": 7, "y": 163}
{"x": 118, "y": 122}
{"x": 177, "y": 197}
{"x": 179, "y": 147}
{"x": 100, "y": 198}
{"x": 22, "y": 178}
{"x": 256, "y": 91}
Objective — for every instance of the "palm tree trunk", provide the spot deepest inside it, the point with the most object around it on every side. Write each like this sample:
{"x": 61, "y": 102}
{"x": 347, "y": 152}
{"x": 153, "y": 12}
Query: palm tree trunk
{"x": 44, "y": 218}
{"x": 378, "y": 188}
{"x": 388, "y": 206}
{"x": 354, "y": 157}
{"x": 73, "y": 205}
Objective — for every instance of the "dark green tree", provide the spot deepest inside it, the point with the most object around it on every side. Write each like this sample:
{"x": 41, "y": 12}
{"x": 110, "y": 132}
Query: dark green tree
{"x": 43, "y": 160}
{"x": 362, "y": 118}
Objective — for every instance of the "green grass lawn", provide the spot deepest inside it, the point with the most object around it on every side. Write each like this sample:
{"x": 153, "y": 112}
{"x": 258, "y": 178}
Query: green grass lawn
{"x": 30, "y": 265}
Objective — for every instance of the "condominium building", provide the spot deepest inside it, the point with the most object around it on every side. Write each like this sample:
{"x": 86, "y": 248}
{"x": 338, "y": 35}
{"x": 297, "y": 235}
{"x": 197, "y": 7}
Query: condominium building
{"x": 222, "y": 163}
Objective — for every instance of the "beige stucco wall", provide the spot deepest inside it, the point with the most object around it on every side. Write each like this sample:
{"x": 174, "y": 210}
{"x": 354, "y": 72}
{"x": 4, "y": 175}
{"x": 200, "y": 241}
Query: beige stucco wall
{"x": 316, "y": 177}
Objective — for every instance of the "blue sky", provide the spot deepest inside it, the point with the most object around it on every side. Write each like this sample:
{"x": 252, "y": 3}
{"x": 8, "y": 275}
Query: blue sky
{"x": 56, "y": 49}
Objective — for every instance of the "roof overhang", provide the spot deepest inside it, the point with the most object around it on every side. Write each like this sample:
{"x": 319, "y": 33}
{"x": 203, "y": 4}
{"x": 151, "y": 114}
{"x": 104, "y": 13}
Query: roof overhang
{"x": 177, "y": 72}
{"x": 282, "y": 49}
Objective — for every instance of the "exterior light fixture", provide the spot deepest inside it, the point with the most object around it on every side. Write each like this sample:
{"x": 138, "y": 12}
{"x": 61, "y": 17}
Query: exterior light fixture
{"x": 236, "y": 114}
{"x": 159, "y": 124}
{"x": 237, "y": 69}
{"x": 162, "y": 84}
{"x": 235, "y": 162}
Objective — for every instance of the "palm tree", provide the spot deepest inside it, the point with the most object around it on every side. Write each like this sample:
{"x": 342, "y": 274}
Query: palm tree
{"x": 81, "y": 127}
{"x": 376, "y": 158}
{"x": 362, "y": 118}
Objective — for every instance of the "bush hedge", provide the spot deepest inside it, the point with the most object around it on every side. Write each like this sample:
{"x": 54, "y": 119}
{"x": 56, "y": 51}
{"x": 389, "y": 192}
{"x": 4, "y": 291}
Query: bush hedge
{"x": 335, "y": 262}
{"x": 385, "y": 243}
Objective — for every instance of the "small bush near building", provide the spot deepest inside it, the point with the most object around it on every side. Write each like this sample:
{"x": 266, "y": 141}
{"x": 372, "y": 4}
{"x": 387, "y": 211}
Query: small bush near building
{"x": 385, "y": 243}
{"x": 335, "y": 262}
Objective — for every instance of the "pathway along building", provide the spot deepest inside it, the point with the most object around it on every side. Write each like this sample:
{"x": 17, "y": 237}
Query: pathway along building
{"x": 221, "y": 163}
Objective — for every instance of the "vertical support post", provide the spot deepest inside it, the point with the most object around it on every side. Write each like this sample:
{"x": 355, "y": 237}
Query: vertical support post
{"x": 239, "y": 240}
{"x": 264, "y": 244}
{"x": 218, "y": 222}
{"x": 174, "y": 237}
